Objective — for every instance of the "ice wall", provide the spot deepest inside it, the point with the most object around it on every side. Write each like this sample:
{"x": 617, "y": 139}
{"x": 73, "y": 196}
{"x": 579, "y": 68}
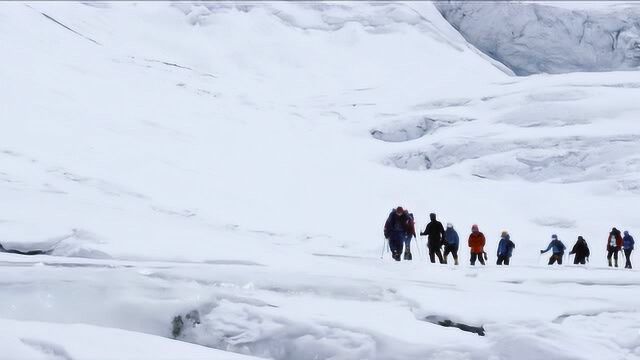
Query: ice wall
{"x": 535, "y": 38}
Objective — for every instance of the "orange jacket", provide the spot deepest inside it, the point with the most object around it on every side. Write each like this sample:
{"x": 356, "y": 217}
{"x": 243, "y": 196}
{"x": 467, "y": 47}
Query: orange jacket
{"x": 476, "y": 242}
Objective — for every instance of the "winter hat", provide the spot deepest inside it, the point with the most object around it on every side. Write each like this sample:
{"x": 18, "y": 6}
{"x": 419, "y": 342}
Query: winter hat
{"x": 474, "y": 227}
{"x": 399, "y": 209}
{"x": 449, "y": 226}
{"x": 626, "y": 233}
{"x": 580, "y": 238}
{"x": 505, "y": 233}
{"x": 554, "y": 236}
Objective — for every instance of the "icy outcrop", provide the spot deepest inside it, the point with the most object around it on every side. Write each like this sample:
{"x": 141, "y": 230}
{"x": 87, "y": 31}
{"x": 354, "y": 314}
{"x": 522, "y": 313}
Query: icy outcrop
{"x": 532, "y": 38}
{"x": 405, "y": 131}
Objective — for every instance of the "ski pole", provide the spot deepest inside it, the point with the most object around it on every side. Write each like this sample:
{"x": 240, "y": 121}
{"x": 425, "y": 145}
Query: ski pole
{"x": 418, "y": 247}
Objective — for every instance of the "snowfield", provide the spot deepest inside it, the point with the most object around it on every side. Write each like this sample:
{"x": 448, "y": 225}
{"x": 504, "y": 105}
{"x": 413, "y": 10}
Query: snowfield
{"x": 220, "y": 173}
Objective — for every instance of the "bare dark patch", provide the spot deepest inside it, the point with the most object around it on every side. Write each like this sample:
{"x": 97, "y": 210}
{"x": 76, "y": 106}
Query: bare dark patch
{"x": 438, "y": 320}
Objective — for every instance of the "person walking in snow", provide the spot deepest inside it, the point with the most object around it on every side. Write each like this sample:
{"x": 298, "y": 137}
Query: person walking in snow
{"x": 581, "y": 251}
{"x": 476, "y": 243}
{"x": 452, "y": 243}
{"x": 411, "y": 233}
{"x": 614, "y": 244}
{"x": 505, "y": 249}
{"x": 436, "y": 237}
{"x": 557, "y": 248}
{"x": 627, "y": 245}
{"x": 396, "y": 230}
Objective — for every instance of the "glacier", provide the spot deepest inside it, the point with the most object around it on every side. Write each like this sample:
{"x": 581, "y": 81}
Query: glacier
{"x": 237, "y": 161}
{"x": 539, "y": 37}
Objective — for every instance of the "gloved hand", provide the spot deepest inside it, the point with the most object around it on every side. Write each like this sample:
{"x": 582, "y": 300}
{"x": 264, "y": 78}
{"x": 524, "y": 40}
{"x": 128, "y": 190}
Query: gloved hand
{"x": 541, "y": 251}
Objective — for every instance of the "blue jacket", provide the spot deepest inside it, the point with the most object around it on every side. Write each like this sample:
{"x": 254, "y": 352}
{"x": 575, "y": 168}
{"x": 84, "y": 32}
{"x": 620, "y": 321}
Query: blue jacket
{"x": 452, "y": 237}
{"x": 505, "y": 247}
{"x": 557, "y": 245}
{"x": 627, "y": 242}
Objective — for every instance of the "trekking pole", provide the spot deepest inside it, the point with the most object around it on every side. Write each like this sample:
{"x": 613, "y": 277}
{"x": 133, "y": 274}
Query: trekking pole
{"x": 418, "y": 247}
{"x": 384, "y": 245}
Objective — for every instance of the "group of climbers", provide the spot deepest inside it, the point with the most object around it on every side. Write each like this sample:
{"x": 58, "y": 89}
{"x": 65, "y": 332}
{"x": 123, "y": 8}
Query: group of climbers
{"x": 615, "y": 244}
{"x": 399, "y": 229}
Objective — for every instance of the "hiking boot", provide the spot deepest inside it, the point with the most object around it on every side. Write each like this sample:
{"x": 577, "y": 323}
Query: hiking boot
{"x": 407, "y": 255}
{"x": 456, "y": 262}
{"x": 444, "y": 261}
{"x": 609, "y": 263}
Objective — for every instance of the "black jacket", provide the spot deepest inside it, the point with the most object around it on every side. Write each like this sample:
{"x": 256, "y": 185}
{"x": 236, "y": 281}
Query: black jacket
{"x": 436, "y": 235}
{"x": 581, "y": 249}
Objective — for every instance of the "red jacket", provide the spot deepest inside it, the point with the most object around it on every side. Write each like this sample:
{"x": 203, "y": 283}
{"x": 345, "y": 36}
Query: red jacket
{"x": 476, "y": 242}
{"x": 618, "y": 240}
{"x": 411, "y": 227}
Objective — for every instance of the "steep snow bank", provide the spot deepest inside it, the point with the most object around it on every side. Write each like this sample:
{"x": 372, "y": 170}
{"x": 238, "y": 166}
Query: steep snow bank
{"x": 534, "y": 38}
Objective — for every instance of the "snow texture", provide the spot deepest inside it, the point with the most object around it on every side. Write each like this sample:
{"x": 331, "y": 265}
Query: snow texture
{"x": 212, "y": 180}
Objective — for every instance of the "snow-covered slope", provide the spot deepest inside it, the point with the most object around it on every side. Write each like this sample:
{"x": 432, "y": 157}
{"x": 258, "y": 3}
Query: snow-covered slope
{"x": 230, "y": 127}
{"x": 47, "y": 341}
{"x": 551, "y": 37}
{"x": 240, "y": 160}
